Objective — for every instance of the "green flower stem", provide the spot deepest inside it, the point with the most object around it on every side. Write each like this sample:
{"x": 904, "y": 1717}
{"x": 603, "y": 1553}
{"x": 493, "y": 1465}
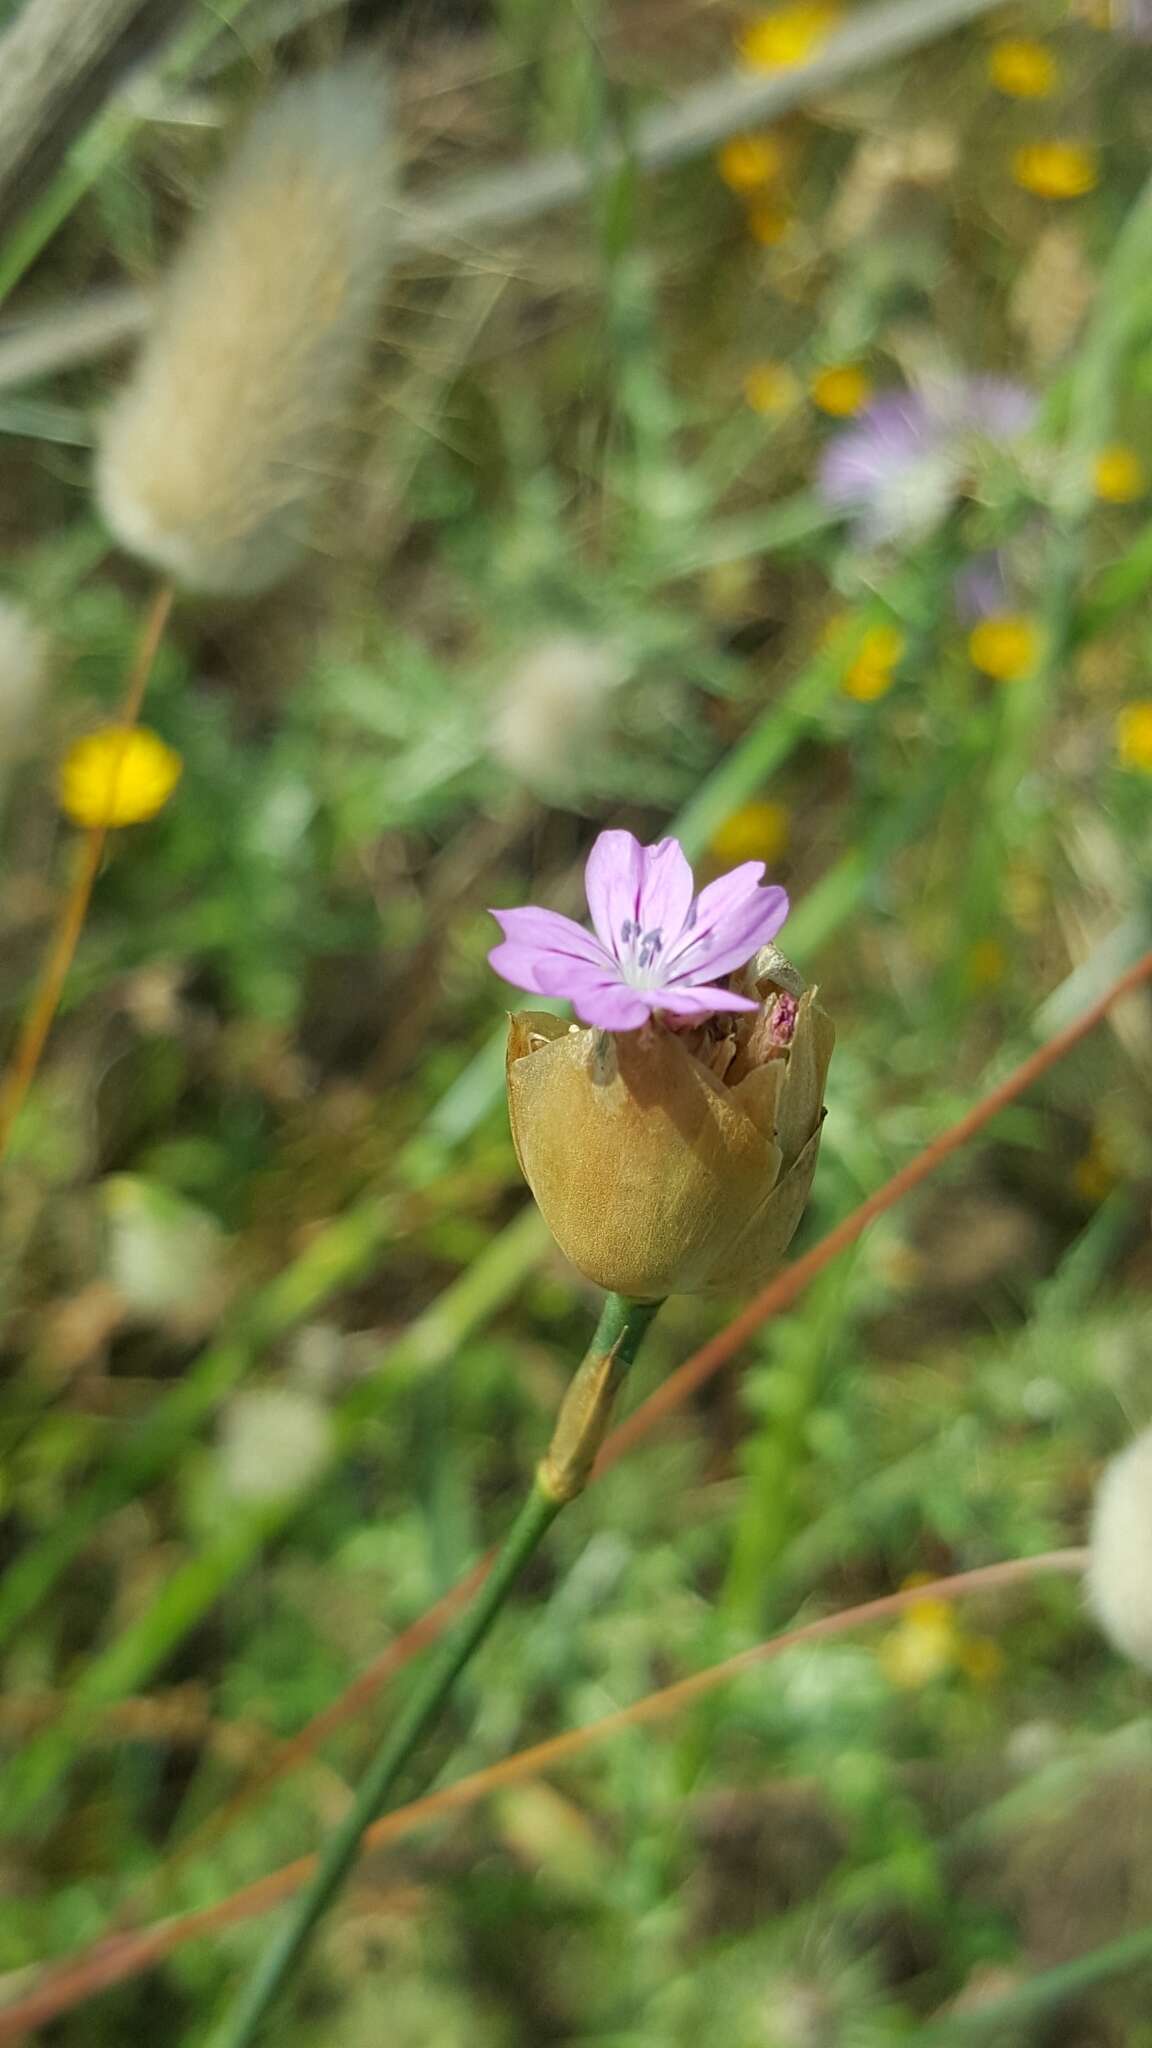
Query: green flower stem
{"x": 583, "y": 1421}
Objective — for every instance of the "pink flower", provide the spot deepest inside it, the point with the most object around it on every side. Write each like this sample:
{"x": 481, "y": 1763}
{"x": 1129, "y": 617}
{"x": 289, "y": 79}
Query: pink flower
{"x": 905, "y": 460}
{"x": 656, "y": 946}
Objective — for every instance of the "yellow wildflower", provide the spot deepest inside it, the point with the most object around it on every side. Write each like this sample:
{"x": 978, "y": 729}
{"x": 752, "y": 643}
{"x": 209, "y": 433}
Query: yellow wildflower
{"x": 924, "y": 1644}
{"x": 1005, "y": 646}
{"x": 757, "y": 831}
{"x": 768, "y": 223}
{"x": 1094, "y": 1175}
{"x": 866, "y": 683}
{"x": 120, "y": 775}
{"x": 1134, "y": 735}
{"x": 1023, "y": 69}
{"x": 986, "y": 964}
{"x": 770, "y": 388}
{"x": 746, "y": 162}
{"x": 1056, "y": 170}
{"x": 787, "y": 36}
{"x": 1119, "y": 475}
{"x": 841, "y": 389}
{"x": 871, "y": 671}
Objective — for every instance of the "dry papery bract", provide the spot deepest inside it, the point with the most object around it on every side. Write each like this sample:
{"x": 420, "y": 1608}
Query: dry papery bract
{"x": 213, "y": 459}
{"x": 675, "y": 1161}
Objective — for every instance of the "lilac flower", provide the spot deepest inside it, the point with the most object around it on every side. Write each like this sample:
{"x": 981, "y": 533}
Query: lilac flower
{"x": 982, "y": 589}
{"x": 904, "y": 461}
{"x": 656, "y": 947}
{"x": 1133, "y": 21}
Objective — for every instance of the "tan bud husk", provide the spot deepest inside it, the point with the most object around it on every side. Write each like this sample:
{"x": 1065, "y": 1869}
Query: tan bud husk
{"x": 672, "y": 1162}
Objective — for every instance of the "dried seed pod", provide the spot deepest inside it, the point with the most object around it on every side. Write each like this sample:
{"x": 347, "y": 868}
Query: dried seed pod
{"x": 665, "y": 1162}
{"x": 212, "y": 460}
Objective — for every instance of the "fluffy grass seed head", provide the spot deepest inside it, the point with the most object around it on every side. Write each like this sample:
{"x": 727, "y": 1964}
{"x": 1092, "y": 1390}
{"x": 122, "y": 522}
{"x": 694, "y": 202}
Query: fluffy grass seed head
{"x": 211, "y": 461}
{"x": 1119, "y": 476}
{"x": 120, "y": 775}
{"x": 553, "y": 700}
{"x": 1056, "y": 169}
{"x": 1134, "y": 735}
{"x": 274, "y": 1442}
{"x": 1022, "y": 68}
{"x": 1119, "y": 1581}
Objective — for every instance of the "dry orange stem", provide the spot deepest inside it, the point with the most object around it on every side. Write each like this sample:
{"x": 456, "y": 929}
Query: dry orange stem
{"x": 45, "y": 1000}
{"x": 70, "y": 1982}
{"x": 779, "y": 1294}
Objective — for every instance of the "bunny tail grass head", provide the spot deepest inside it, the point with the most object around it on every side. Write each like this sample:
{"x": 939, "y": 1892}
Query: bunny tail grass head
{"x": 1119, "y": 1582}
{"x": 212, "y": 460}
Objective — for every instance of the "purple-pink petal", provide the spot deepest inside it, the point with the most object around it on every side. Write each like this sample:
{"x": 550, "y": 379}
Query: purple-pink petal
{"x": 667, "y": 890}
{"x": 634, "y": 889}
{"x": 732, "y": 924}
{"x": 613, "y": 877}
{"x": 549, "y": 932}
{"x": 999, "y": 408}
{"x": 698, "y": 1002}
{"x": 612, "y": 1005}
{"x": 656, "y": 949}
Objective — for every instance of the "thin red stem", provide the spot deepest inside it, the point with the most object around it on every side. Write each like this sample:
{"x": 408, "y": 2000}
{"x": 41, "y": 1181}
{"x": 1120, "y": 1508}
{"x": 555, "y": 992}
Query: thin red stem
{"x": 778, "y": 1295}
{"x": 72, "y": 1981}
{"x": 45, "y": 1001}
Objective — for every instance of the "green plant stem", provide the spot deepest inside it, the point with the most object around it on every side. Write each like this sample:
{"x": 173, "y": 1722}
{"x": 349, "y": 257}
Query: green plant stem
{"x": 1039, "y": 1995}
{"x": 129, "y": 1660}
{"x": 614, "y": 1345}
{"x": 98, "y": 148}
{"x": 334, "y": 1259}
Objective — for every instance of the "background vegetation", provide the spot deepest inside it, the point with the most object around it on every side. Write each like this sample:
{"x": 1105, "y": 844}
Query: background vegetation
{"x": 283, "y": 1339}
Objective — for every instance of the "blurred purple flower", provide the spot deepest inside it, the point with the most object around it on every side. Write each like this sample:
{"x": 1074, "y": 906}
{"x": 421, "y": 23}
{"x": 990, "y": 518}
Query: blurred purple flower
{"x": 657, "y": 947}
{"x": 903, "y": 462}
{"x": 981, "y": 589}
{"x": 1134, "y": 21}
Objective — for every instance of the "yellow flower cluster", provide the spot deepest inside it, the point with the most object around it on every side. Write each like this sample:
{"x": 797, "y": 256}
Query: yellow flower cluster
{"x": 757, "y": 831}
{"x": 119, "y": 775}
{"x": 872, "y": 670}
{"x": 771, "y": 389}
{"x": 754, "y": 166}
{"x": 748, "y": 162}
{"x": 929, "y": 1642}
{"x": 841, "y": 389}
{"x": 1134, "y": 735}
{"x": 1005, "y": 646}
{"x": 1051, "y": 166}
{"x": 1023, "y": 69}
{"x": 787, "y": 36}
{"x": 1119, "y": 475}
{"x": 1056, "y": 169}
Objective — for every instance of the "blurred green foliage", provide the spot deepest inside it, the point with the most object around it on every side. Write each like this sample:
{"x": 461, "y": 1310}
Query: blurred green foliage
{"x": 267, "y": 1154}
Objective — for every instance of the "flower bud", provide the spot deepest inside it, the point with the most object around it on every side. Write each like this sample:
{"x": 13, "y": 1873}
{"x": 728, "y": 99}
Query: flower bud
{"x": 675, "y": 1161}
